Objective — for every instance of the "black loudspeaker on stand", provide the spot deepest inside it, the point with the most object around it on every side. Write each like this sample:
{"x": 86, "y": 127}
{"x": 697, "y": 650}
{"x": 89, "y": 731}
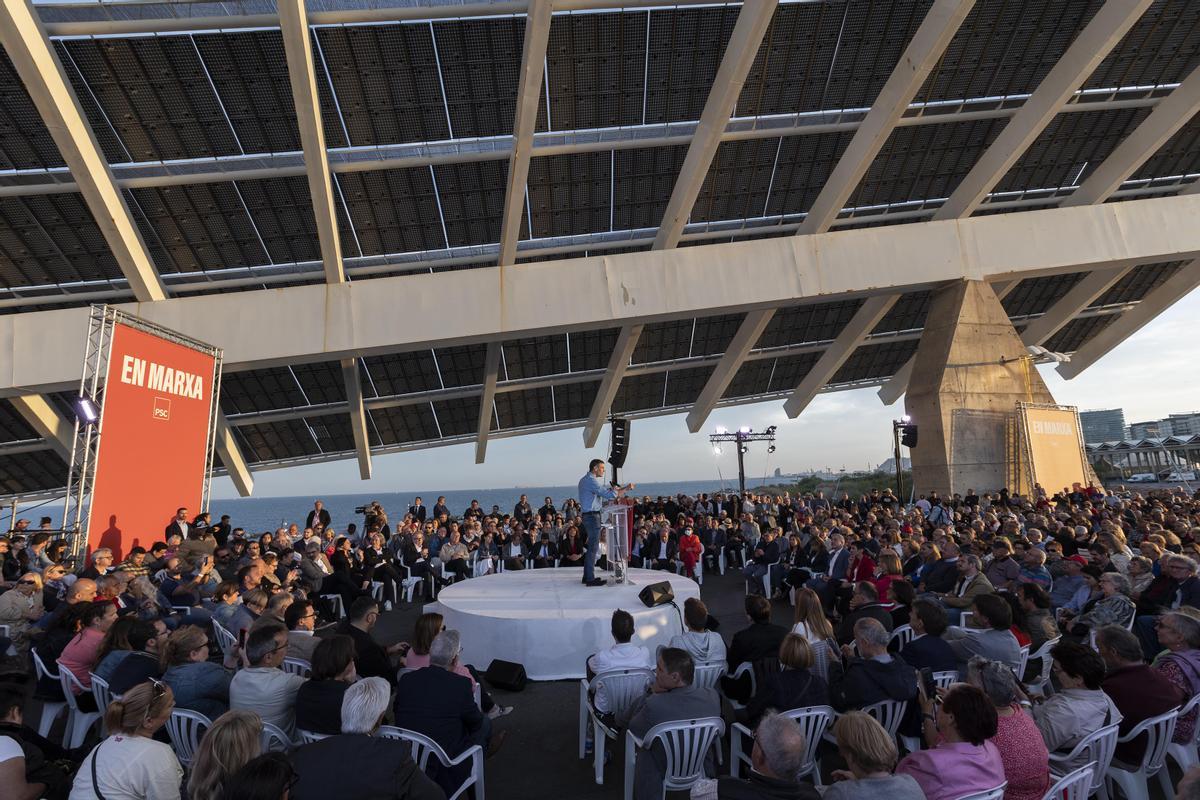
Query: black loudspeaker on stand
{"x": 657, "y": 594}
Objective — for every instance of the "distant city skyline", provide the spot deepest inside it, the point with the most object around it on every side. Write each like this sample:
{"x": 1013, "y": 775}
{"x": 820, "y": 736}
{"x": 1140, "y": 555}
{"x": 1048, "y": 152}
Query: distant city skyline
{"x": 1145, "y": 376}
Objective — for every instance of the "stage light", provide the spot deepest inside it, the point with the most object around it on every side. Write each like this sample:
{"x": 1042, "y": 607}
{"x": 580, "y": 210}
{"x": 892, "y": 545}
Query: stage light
{"x": 86, "y": 410}
{"x": 771, "y": 449}
{"x": 745, "y": 449}
{"x": 906, "y": 419}
{"x": 743, "y": 429}
{"x": 721, "y": 429}
{"x": 771, "y": 430}
{"x": 716, "y": 450}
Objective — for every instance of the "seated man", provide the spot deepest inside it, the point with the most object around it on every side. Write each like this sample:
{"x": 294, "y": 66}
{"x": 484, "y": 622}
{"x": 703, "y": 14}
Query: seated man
{"x": 439, "y": 703}
{"x": 671, "y": 697}
{"x": 1137, "y": 690}
{"x": 660, "y": 552}
{"x": 927, "y": 649}
{"x": 712, "y": 539}
{"x": 864, "y": 603}
{"x": 544, "y": 552}
{"x": 990, "y": 638}
{"x": 971, "y": 583}
{"x": 765, "y": 554}
{"x": 301, "y": 620}
{"x": 622, "y": 655}
{"x": 358, "y": 765}
{"x": 758, "y": 645}
{"x": 454, "y": 555}
{"x": 778, "y": 754}
{"x": 873, "y": 675}
{"x": 372, "y": 659}
{"x": 263, "y": 687}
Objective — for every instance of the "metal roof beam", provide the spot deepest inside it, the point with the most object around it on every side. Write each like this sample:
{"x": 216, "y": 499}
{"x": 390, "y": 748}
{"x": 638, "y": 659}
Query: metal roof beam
{"x": 232, "y": 458}
{"x": 618, "y": 363}
{"x": 487, "y": 399}
{"x": 928, "y": 44}
{"x": 857, "y": 329}
{"x": 744, "y": 43}
{"x": 529, "y": 91}
{"x": 57, "y": 430}
{"x": 1098, "y": 38}
{"x": 358, "y": 416}
{"x": 358, "y": 318}
{"x": 1130, "y": 322}
{"x": 37, "y": 63}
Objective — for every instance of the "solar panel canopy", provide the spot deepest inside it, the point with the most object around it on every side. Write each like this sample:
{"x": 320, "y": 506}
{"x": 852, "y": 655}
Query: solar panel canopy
{"x": 423, "y": 113}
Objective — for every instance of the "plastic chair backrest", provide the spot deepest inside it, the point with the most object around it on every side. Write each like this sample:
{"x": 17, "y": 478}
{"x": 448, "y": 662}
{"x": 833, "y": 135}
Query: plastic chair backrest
{"x": 622, "y": 686}
{"x": 297, "y": 666}
{"x": 1042, "y": 654}
{"x": 422, "y": 746}
{"x": 686, "y": 744}
{"x": 1098, "y": 747}
{"x": 901, "y": 636}
{"x": 813, "y": 721}
{"x": 1024, "y": 660}
{"x": 1159, "y": 731}
{"x": 40, "y": 666}
{"x": 1188, "y": 708}
{"x": 69, "y": 684}
{"x": 709, "y": 675}
{"x": 1075, "y": 785}
{"x": 186, "y": 728}
{"x": 101, "y": 692}
{"x": 888, "y": 713}
{"x": 225, "y": 639}
{"x": 944, "y": 679}
{"x": 995, "y": 793}
{"x": 308, "y": 737}
{"x": 273, "y": 738}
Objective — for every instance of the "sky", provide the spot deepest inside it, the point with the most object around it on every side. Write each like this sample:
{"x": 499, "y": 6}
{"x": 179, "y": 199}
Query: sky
{"x": 840, "y": 430}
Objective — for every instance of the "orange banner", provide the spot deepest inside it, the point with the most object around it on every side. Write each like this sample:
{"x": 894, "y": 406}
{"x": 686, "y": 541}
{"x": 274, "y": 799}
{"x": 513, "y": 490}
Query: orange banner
{"x": 1055, "y": 448}
{"x": 154, "y": 425}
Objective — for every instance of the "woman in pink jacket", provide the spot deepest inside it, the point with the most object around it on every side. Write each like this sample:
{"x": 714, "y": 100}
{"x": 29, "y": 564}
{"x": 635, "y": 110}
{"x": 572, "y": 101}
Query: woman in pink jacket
{"x": 960, "y": 760}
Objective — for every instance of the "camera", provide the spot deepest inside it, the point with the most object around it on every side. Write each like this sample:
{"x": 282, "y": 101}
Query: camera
{"x": 361, "y": 510}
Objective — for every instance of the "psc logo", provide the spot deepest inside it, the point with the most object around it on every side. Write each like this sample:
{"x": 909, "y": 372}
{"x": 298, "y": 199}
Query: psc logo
{"x": 162, "y": 408}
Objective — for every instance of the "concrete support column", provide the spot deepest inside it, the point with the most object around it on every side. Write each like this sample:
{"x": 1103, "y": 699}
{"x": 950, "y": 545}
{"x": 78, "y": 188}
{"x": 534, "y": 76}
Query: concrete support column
{"x": 970, "y": 371}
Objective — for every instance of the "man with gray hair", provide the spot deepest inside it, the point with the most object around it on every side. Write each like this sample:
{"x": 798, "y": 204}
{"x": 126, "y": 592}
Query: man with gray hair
{"x": 357, "y": 765}
{"x": 263, "y": 687}
{"x": 439, "y": 703}
{"x": 102, "y": 564}
{"x": 777, "y": 757}
{"x": 873, "y": 675}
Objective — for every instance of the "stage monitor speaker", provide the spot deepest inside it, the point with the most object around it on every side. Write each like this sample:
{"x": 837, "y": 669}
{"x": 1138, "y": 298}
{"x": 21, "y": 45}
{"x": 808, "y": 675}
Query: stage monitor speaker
{"x": 657, "y": 594}
{"x": 908, "y": 435}
{"x": 620, "y": 442}
{"x": 507, "y": 675}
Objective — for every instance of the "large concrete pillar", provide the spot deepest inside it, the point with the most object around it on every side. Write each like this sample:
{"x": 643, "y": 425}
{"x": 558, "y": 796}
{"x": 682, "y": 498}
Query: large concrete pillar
{"x": 970, "y": 372}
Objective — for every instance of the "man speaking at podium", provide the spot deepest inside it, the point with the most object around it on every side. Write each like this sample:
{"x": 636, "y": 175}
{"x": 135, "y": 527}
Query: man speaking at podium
{"x": 593, "y": 491}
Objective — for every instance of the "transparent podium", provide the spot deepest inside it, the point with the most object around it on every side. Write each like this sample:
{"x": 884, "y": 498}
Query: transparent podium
{"x": 616, "y": 520}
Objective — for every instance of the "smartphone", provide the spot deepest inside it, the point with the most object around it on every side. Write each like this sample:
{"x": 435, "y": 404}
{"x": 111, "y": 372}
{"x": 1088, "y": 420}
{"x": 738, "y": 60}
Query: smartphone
{"x": 242, "y": 639}
{"x": 927, "y": 682}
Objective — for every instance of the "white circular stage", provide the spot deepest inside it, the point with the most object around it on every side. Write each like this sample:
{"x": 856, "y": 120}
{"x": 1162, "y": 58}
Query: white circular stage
{"x": 549, "y": 621}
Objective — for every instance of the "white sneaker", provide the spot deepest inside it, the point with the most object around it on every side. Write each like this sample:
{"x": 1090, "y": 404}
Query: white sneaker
{"x": 387, "y": 605}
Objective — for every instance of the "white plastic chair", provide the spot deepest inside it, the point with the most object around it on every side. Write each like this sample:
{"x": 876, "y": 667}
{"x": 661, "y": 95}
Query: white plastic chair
{"x": 744, "y": 668}
{"x": 409, "y": 583}
{"x": 888, "y": 713}
{"x": 225, "y": 639}
{"x": 297, "y": 666}
{"x": 186, "y": 728}
{"x": 1042, "y": 654}
{"x": 1024, "y": 660}
{"x": 423, "y": 747}
{"x": 78, "y": 722}
{"x": 308, "y": 737}
{"x": 900, "y": 637}
{"x": 766, "y": 578}
{"x": 621, "y": 688}
{"x": 1074, "y": 785}
{"x": 1096, "y": 748}
{"x": 336, "y": 600}
{"x": 102, "y": 693}
{"x": 686, "y": 744}
{"x": 1185, "y": 755}
{"x": 50, "y": 708}
{"x": 944, "y": 679}
{"x": 1134, "y": 778}
{"x": 708, "y": 676}
{"x": 273, "y": 738}
{"x": 996, "y": 793}
{"x": 813, "y": 721}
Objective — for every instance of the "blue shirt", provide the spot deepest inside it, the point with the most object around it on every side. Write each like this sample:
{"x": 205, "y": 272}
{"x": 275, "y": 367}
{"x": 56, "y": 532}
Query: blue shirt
{"x": 593, "y": 492}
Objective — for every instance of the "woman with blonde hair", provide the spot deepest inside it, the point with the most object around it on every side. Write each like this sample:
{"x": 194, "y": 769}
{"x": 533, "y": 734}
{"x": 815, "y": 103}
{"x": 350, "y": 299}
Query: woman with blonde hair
{"x": 234, "y": 738}
{"x": 21, "y": 607}
{"x": 796, "y": 686}
{"x": 870, "y": 754}
{"x": 131, "y": 762}
{"x": 199, "y": 684}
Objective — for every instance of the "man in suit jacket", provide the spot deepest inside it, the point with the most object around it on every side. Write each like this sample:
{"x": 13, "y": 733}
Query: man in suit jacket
{"x": 765, "y": 554}
{"x": 357, "y": 765}
{"x": 839, "y": 564}
{"x": 439, "y": 703}
{"x": 941, "y": 575}
{"x": 661, "y": 552}
{"x": 757, "y": 645}
{"x": 864, "y": 604}
{"x": 179, "y": 525}
{"x": 418, "y": 510}
{"x": 670, "y": 698}
{"x": 319, "y": 514}
{"x": 371, "y": 658}
{"x": 543, "y": 551}
{"x": 971, "y": 583}
{"x": 712, "y": 538}
{"x": 927, "y": 649}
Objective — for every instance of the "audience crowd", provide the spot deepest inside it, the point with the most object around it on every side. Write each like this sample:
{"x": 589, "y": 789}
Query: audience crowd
{"x": 964, "y": 643}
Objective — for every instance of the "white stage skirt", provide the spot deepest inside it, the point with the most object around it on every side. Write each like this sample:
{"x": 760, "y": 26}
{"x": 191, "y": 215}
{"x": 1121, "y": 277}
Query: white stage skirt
{"x": 549, "y": 621}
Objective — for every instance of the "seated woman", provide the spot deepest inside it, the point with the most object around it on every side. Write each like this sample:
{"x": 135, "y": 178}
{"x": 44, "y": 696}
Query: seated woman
{"x": 1180, "y": 664}
{"x": 319, "y": 701}
{"x": 1022, "y": 751}
{"x": 198, "y": 684}
{"x": 31, "y": 766}
{"x": 1080, "y": 707}
{"x": 887, "y": 571}
{"x": 813, "y": 626}
{"x": 424, "y": 632}
{"x": 1112, "y": 607}
{"x": 81, "y": 653}
{"x": 796, "y": 686}
{"x": 20, "y": 607}
{"x": 870, "y": 754}
{"x": 961, "y": 759}
{"x": 570, "y": 548}
{"x": 234, "y": 738}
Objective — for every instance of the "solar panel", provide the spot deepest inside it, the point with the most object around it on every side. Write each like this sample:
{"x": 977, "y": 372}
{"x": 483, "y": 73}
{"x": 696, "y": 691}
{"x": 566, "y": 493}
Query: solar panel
{"x": 25, "y": 142}
{"x": 461, "y": 366}
{"x": 272, "y": 441}
{"x": 574, "y": 400}
{"x": 472, "y": 197}
{"x": 684, "y": 385}
{"x": 639, "y": 393}
{"x": 51, "y": 239}
{"x": 457, "y": 417}
{"x": 1070, "y": 149}
{"x": 322, "y": 382}
{"x": 524, "y": 408}
{"x": 1139, "y": 283}
{"x": 332, "y": 432}
{"x": 643, "y": 185}
{"x": 738, "y": 180}
{"x": 713, "y": 334}
{"x": 387, "y": 82}
{"x": 803, "y": 169}
{"x": 907, "y": 314}
{"x": 686, "y": 45}
{"x": 569, "y": 194}
{"x": 281, "y": 209}
{"x": 875, "y": 361}
{"x": 535, "y": 356}
{"x": 790, "y": 370}
{"x": 664, "y": 341}
{"x": 153, "y": 92}
{"x": 1179, "y": 156}
{"x": 1163, "y": 47}
{"x": 1077, "y": 332}
{"x": 790, "y": 71}
{"x": 391, "y": 211}
{"x": 1037, "y": 295}
{"x": 259, "y": 390}
{"x": 402, "y": 373}
{"x": 815, "y": 322}
{"x": 596, "y": 70}
{"x": 13, "y": 427}
{"x": 871, "y": 40}
{"x": 591, "y": 349}
{"x": 403, "y": 424}
{"x": 752, "y": 377}
{"x": 39, "y": 470}
{"x": 196, "y": 228}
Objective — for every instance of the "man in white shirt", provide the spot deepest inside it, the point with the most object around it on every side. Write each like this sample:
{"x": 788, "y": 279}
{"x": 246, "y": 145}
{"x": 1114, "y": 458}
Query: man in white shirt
{"x": 622, "y": 655}
{"x": 263, "y": 687}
